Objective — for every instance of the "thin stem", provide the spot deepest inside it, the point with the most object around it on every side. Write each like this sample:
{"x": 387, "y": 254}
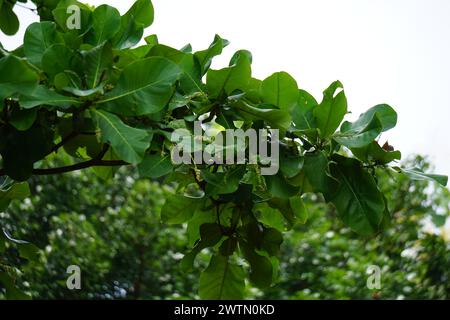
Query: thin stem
{"x": 25, "y": 7}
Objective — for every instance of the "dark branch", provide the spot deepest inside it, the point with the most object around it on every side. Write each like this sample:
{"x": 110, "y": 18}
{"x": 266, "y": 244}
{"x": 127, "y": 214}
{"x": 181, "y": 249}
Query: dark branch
{"x": 76, "y": 167}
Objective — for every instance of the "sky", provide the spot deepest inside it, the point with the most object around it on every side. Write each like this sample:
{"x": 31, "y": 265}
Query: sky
{"x": 383, "y": 51}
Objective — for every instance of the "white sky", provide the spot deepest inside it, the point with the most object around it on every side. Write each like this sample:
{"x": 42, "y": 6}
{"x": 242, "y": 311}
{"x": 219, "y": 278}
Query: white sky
{"x": 384, "y": 51}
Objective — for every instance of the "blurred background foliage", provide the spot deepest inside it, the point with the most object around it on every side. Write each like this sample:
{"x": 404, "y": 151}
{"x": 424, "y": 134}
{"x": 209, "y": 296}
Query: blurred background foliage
{"x": 112, "y": 230}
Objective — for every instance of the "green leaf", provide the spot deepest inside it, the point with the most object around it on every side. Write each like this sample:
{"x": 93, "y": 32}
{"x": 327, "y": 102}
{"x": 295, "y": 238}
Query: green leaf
{"x": 17, "y": 191}
{"x": 210, "y": 235}
{"x": 278, "y": 119}
{"x": 22, "y": 119}
{"x": 144, "y": 87}
{"x": 12, "y": 292}
{"x": 261, "y": 272}
{"x": 302, "y": 114}
{"x": 222, "y": 280}
{"x": 331, "y": 110}
{"x": 281, "y": 90}
{"x": 132, "y": 24}
{"x": 290, "y": 164}
{"x": 155, "y": 166}
{"x": 225, "y": 81}
{"x": 15, "y": 76}
{"x": 292, "y": 209}
{"x": 96, "y": 62}
{"x": 299, "y": 209}
{"x": 205, "y": 57}
{"x": 178, "y": 209}
{"x": 190, "y": 79}
{"x": 386, "y": 115}
{"x": 269, "y": 216}
{"x": 105, "y": 24}
{"x": 279, "y": 187}
{"x": 357, "y": 199}
{"x": 317, "y": 172}
{"x": 9, "y": 23}
{"x": 41, "y": 95}
{"x": 271, "y": 241}
{"x": 129, "y": 143}
{"x": 56, "y": 59}
{"x": 27, "y": 250}
{"x": 417, "y": 174}
{"x": 142, "y": 13}
{"x": 228, "y": 247}
{"x": 223, "y": 182}
{"x": 373, "y": 152}
{"x": 361, "y": 135}
{"x": 39, "y": 36}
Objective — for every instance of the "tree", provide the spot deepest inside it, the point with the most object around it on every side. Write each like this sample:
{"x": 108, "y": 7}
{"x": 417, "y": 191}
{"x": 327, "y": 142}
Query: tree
{"x": 79, "y": 85}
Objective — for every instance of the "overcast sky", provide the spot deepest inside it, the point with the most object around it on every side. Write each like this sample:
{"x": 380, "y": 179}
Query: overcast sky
{"x": 384, "y": 51}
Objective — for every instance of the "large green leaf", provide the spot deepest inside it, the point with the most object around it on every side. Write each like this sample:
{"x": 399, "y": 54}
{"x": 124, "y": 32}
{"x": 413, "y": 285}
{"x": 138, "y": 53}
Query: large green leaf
{"x": 96, "y": 62}
{"x": 317, "y": 172}
{"x": 374, "y": 152}
{"x": 261, "y": 269}
{"x": 302, "y": 115}
{"x": 12, "y": 292}
{"x": 9, "y": 23}
{"x": 105, "y": 24}
{"x": 210, "y": 235}
{"x": 331, "y": 110}
{"x": 22, "y": 119}
{"x": 281, "y": 90}
{"x": 129, "y": 143}
{"x": 132, "y": 24}
{"x": 41, "y": 95}
{"x": 357, "y": 199}
{"x": 225, "y": 81}
{"x": 40, "y": 36}
{"x": 223, "y": 182}
{"x": 277, "y": 119}
{"x": 417, "y": 174}
{"x": 144, "y": 87}
{"x": 270, "y": 217}
{"x": 16, "y": 191}
{"x": 205, "y": 57}
{"x": 358, "y": 136}
{"x": 386, "y": 115}
{"x": 178, "y": 209}
{"x": 15, "y": 76}
{"x": 155, "y": 166}
{"x": 56, "y": 59}
{"x": 299, "y": 209}
{"x": 190, "y": 79}
{"x": 279, "y": 187}
{"x": 222, "y": 280}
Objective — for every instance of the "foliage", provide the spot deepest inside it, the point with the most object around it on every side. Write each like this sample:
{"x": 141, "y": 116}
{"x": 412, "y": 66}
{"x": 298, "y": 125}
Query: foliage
{"x": 103, "y": 226}
{"x": 325, "y": 260}
{"x": 92, "y": 94}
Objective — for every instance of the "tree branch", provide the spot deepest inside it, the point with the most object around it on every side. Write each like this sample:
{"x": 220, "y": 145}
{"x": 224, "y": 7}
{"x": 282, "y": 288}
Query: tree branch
{"x": 75, "y": 167}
